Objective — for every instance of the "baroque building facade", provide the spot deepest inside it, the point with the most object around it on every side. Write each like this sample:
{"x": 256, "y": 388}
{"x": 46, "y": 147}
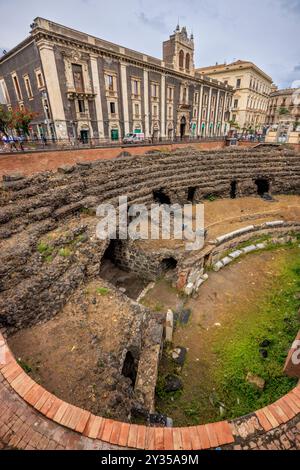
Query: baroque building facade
{"x": 252, "y": 89}
{"x": 84, "y": 87}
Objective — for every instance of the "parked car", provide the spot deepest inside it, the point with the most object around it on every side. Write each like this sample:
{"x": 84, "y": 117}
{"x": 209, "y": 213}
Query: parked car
{"x": 134, "y": 138}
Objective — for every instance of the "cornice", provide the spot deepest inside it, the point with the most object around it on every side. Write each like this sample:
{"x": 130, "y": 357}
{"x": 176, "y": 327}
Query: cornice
{"x": 40, "y": 35}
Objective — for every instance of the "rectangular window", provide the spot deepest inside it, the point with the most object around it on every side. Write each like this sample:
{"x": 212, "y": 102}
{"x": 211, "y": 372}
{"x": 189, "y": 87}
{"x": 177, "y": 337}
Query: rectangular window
{"x": 81, "y": 106}
{"x": 170, "y": 93}
{"x": 28, "y": 86}
{"x": 112, "y": 106}
{"x": 46, "y": 108}
{"x": 40, "y": 79}
{"x": 110, "y": 82}
{"x": 136, "y": 110}
{"x": 170, "y": 113}
{"x": 195, "y": 112}
{"x": 196, "y": 98}
{"x": 238, "y": 83}
{"x": 204, "y": 114}
{"x": 78, "y": 78}
{"x": 17, "y": 87}
{"x": 135, "y": 87}
{"x": 154, "y": 90}
{"x": 236, "y": 104}
{"x": 4, "y": 96}
{"x": 154, "y": 111}
{"x": 205, "y": 100}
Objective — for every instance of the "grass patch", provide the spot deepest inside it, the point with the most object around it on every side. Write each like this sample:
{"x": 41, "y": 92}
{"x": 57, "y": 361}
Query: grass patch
{"x": 103, "y": 291}
{"x": 45, "y": 251}
{"x": 24, "y": 366}
{"x": 65, "y": 252}
{"x": 237, "y": 348}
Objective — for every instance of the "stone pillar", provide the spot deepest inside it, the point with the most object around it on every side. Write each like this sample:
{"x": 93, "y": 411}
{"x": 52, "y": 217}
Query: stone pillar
{"x": 223, "y": 112}
{"x": 53, "y": 89}
{"x": 200, "y": 111}
{"x": 217, "y": 115}
{"x": 146, "y": 103}
{"x": 98, "y": 102}
{"x": 163, "y": 106}
{"x": 207, "y": 130}
{"x": 125, "y": 97}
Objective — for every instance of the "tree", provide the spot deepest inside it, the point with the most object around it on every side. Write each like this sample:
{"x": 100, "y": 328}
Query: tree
{"x": 6, "y": 120}
{"x": 22, "y": 119}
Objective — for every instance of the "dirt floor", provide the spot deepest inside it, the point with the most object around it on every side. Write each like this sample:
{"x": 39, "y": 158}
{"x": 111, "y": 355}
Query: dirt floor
{"x": 67, "y": 354}
{"x": 228, "y": 296}
{"x": 226, "y": 215}
{"x": 128, "y": 282}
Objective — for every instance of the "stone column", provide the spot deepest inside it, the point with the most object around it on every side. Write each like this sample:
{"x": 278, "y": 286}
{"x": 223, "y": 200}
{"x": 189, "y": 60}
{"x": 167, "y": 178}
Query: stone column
{"x": 146, "y": 103}
{"x": 163, "y": 106}
{"x": 125, "y": 97}
{"x": 53, "y": 89}
{"x": 200, "y": 111}
{"x": 217, "y": 114}
{"x": 97, "y": 91}
{"x": 207, "y": 130}
{"x": 223, "y": 112}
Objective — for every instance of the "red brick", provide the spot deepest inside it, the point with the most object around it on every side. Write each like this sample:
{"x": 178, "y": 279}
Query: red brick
{"x": 177, "y": 439}
{"x": 186, "y": 438}
{"x": 41, "y": 402}
{"x": 203, "y": 436}
{"x": 82, "y": 421}
{"x": 52, "y": 407}
{"x": 288, "y": 410}
{"x": 168, "y": 439}
{"x": 93, "y": 427}
{"x": 212, "y": 435}
{"x": 263, "y": 420}
{"x": 34, "y": 394}
{"x": 107, "y": 430}
{"x": 115, "y": 434}
{"x": 279, "y": 414}
{"x": 224, "y": 433}
{"x": 268, "y": 412}
{"x": 141, "y": 438}
{"x": 290, "y": 402}
{"x": 159, "y": 438}
{"x": 132, "y": 437}
{"x": 123, "y": 439}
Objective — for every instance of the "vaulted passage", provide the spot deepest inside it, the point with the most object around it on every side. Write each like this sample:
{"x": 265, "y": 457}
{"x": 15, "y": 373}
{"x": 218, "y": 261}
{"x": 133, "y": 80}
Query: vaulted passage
{"x": 115, "y": 270}
{"x": 263, "y": 186}
{"x": 129, "y": 368}
{"x": 233, "y": 189}
{"x": 168, "y": 264}
{"x": 161, "y": 197}
{"x": 192, "y": 194}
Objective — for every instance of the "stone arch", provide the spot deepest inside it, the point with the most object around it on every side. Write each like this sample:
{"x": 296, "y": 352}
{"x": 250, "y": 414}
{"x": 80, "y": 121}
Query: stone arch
{"x": 181, "y": 59}
{"x": 187, "y": 62}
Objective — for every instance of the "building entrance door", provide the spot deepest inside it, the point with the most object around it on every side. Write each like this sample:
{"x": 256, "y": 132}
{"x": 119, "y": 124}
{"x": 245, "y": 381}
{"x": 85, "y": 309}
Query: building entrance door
{"x": 84, "y": 136}
{"x": 182, "y": 127}
{"x": 114, "y": 134}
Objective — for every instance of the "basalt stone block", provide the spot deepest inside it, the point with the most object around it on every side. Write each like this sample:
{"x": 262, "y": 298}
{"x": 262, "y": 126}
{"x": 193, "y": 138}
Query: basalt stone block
{"x": 13, "y": 177}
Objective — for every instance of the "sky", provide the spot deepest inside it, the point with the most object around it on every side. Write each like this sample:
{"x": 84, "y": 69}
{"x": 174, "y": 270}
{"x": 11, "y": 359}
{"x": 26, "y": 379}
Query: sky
{"x": 262, "y": 31}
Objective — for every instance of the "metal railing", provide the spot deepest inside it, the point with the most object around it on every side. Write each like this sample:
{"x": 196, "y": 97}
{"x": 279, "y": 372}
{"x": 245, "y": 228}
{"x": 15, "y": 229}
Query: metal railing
{"x": 94, "y": 143}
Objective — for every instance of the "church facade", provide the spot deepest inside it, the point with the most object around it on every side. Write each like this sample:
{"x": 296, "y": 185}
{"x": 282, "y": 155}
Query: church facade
{"x": 82, "y": 87}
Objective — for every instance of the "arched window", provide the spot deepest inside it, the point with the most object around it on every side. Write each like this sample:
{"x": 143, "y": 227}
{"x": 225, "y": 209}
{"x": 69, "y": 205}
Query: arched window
{"x": 181, "y": 59}
{"x": 187, "y": 62}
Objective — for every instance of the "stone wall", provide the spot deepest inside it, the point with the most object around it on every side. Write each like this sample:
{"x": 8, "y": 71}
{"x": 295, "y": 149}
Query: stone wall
{"x": 35, "y": 283}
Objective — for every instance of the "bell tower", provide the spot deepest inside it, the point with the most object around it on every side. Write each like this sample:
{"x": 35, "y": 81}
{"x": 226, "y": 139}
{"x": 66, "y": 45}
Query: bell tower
{"x": 178, "y": 51}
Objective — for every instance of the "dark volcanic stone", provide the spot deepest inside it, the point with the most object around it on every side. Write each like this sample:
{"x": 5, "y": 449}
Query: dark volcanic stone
{"x": 172, "y": 383}
{"x": 265, "y": 344}
{"x": 158, "y": 420}
{"x": 264, "y": 353}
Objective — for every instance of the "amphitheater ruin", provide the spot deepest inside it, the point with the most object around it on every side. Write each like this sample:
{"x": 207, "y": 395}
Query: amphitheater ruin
{"x": 84, "y": 325}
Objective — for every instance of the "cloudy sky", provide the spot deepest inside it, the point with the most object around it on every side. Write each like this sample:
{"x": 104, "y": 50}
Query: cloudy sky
{"x": 263, "y": 31}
